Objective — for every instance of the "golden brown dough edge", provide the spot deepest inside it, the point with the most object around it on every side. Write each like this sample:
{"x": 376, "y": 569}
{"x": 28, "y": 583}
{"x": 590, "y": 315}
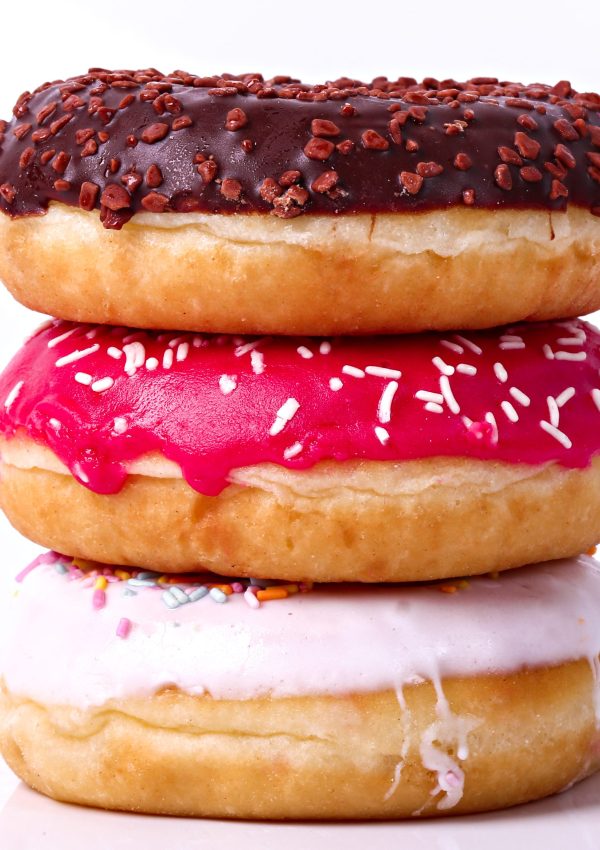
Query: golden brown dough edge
{"x": 336, "y": 757}
{"x": 386, "y": 273}
{"x": 354, "y": 521}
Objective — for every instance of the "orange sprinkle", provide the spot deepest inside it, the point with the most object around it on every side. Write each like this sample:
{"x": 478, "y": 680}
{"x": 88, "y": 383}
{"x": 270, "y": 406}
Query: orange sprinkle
{"x": 271, "y": 593}
{"x": 290, "y": 588}
{"x": 224, "y": 588}
{"x": 448, "y": 588}
{"x": 84, "y": 565}
{"x": 124, "y": 576}
{"x": 592, "y": 551}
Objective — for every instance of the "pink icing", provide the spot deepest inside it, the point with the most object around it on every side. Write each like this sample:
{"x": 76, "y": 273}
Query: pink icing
{"x": 229, "y": 402}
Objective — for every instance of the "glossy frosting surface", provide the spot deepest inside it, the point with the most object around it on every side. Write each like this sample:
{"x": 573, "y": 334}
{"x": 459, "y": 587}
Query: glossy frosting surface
{"x": 126, "y": 141}
{"x": 61, "y": 647}
{"x": 101, "y": 397}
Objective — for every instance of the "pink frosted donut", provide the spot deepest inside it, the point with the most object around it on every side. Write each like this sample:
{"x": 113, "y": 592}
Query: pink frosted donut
{"x": 418, "y": 456}
{"x": 130, "y": 690}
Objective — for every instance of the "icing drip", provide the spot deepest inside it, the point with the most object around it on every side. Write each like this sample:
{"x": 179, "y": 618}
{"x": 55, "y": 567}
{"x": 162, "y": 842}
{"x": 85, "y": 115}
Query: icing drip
{"x": 102, "y": 397}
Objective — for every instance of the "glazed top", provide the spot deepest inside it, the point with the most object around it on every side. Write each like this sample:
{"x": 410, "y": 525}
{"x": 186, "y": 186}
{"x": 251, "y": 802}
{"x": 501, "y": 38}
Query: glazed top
{"x": 102, "y": 397}
{"x": 126, "y": 141}
{"x": 74, "y": 640}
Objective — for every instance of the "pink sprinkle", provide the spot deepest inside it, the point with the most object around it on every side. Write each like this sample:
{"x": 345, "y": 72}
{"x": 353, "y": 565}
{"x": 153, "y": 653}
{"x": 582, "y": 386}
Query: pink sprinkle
{"x": 99, "y": 599}
{"x": 124, "y": 628}
{"x": 237, "y": 587}
{"x": 251, "y": 599}
{"x": 452, "y": 780}
{"x": 24, "y": 573}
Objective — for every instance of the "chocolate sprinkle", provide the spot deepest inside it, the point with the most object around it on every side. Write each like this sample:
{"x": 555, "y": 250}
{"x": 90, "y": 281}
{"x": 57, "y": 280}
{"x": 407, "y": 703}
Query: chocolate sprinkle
{"x": 108, "y": 139}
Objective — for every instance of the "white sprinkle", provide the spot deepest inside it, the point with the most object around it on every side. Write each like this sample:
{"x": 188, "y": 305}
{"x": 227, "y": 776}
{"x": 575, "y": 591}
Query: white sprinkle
{"x": 76, "y": 355}
{"x": 466, "y": 369}
{"x": 285, "y": 413}
{"x": 558, "y": 435}
{"x": 249, "y": 346}
{"x": 113, "y": 352}
{"x": 511, "y": 338}
{"x": 432, "y": 407}
{"x": 135, "y": 357}
{"x": 453, "y": 346}
{"x": 500, "y": 372}
{"x": 119, "y": 425}
{"x": 570, "y": 355}
{"x": 79, "y": 473}
{"x": 466, "y": 421}
{"x": 511, "y": 346}
{"x": 425, "y": 395}
{"x": 102, "y": 385}
{"x": 93, "y": 332}
{"x": 444, "y": 368}
{"x": 520, "y": 396}
{"x": 55, "y": 340}
{"x": 570, "y": 340}
{"x": 198, "y": 342}
{"x": 55, "y": 424}
{"x": 257, "y": 361}
{"x": 174, "y": 342}
{"x": 151, "y": 364}
{"x": 183, "y": 349}
{"x": 335, "y": 384}
{"x": 12, "y": 396}
{"x": 510, "y": 412}
{"x": 168, "y": 358}
{"x": 468, "y": 344}
{"x": 83, "y": 378}
{"x": 325, "y": 347}
{"x": 304, "y": 352}
{"x": 596, "y": 397}
{"x": 383, "y": 372}
{"x": 384, "y": 408}
{"x": 353, "y": 371}
{"x": 489, "y": 417}
{"x": 382, "y": 435}
{"x": 548, "y": 353}
{"x": 565, "y": 396}
{"x": 446, "y": 391}
{"x": 553, "y": 411}
{"x": 292, "y": 450}
{"x": 227, "y": 383}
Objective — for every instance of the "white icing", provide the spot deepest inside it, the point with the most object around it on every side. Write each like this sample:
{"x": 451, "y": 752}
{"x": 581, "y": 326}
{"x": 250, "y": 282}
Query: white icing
{"x": 59, "y": 650}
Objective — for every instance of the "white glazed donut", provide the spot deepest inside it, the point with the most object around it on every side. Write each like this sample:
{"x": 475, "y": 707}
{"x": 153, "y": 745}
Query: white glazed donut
{"x": 150, "y": 693}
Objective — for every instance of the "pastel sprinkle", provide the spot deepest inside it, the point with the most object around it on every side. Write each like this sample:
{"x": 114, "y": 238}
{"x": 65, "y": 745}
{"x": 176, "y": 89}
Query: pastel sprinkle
{"x": 180, "y": 595}
{"x": 169, "y": 600}
{"x": 124, "y": 628}
{"x": 198, "y": 593}
{"x": 98, "y": 599}
{"x": 217, "y": 595}
{"x": 251, "y": 599}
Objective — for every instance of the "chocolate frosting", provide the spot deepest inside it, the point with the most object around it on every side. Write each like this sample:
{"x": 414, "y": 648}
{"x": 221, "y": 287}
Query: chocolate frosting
{"x": 124, "y": 142}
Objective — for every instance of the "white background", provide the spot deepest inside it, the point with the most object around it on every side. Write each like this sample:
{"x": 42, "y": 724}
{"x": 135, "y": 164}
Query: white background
{"x": 315, "y": 40}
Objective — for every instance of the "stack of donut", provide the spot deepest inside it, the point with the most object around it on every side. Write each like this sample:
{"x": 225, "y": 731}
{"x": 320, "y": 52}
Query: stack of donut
{"x": 316, "y": 551}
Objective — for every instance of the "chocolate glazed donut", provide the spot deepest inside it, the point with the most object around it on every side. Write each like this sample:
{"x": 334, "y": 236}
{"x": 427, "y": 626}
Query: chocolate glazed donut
{"x": 337, "y": 205}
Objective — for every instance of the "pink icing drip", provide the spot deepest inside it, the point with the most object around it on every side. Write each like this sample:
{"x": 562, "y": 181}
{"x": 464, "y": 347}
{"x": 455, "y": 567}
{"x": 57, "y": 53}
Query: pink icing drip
{"x": 215, "y": 408}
